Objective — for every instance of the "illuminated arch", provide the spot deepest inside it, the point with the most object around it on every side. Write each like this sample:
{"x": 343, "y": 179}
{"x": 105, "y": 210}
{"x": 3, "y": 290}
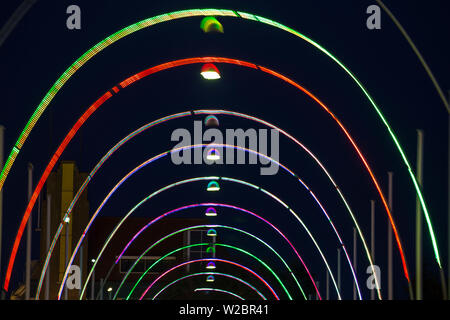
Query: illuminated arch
{"x": 209, "y": 273}
{"x": 198, "y": 227}
{"x": 231, "y": 13}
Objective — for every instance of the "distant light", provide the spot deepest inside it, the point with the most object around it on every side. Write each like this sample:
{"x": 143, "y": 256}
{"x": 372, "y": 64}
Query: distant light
{"x": 211, "y": 233}
{"x": 211, "y": 121}
{"x": 213, "y": 186}
{"x": 210, "y": 72}
{"x": 211, "y": 24}
{"x": 211, "y": 212}
{"x": 67, "y": 219}
{"x": 211, "y": 265}
{"x": 213, "y": 155}
{"x": 93, "y": 260}
{"x": 109, "y": 289}
{"x": 210, "y": 278}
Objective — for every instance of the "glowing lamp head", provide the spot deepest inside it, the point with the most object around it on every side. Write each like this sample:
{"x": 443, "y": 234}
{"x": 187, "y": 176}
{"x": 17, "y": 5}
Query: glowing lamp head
{"x": 211, "y": 212}
{"x": 211, "y": 266}
{"x": 211, "y": 121}
{"x": 109, "y": 289}
{"x": 211, "y": 24}
{"x": 213, "y": 155}
{"x": 210, "y": 72}
{"x": 213, "y": 186}
{"x": 211, "y": 250}
{"x": 66, "y": 219}
{"x": 211, "y": 233}
{"x": 210, "y": 278}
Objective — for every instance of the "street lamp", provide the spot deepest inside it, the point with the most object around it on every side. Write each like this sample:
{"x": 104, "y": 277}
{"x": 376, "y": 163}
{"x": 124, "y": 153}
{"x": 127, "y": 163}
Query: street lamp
{"x": 210, "y": 72}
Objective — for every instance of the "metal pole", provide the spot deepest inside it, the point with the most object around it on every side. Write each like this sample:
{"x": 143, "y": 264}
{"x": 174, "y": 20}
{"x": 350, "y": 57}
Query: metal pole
{"x": 317, "y": 285}
{"x": 81, "y": 268}
{"x": 354, "y": 262}
{"x": 339, "y": 269}
{"x": 47, "y": 277}
{"x": 390, "y": 262}
{"x": 28, "y": 250}
{"x": 2, "y": 132}
{"x": 372, "y": 239}
{"x": 448, "y": 199}
{"x": 419, "y": 177}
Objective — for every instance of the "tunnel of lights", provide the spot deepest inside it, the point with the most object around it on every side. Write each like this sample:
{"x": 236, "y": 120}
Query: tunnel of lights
{"x": 209, "y": 226}
{"x": 211, "y": 12}
{"x": 204, "y": 260}
{"x": 165, "y": 66}
{"x": 206, "y": 274}
{"x": 187, "y": 13}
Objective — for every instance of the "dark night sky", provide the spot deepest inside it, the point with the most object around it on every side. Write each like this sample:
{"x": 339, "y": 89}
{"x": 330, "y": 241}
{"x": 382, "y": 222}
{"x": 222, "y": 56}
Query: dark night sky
{"x": 41, "y": 48}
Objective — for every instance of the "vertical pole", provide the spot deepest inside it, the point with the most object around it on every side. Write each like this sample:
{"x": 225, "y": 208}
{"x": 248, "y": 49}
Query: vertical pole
{"x": 390, "y": 260}
{"x": 327, "y": 282}
{"x": 339, "y": 269}
{"x": 47, "y": 240}
{"x": 372, "y": 239}
{"x": 28, "y": 249}
{"x": 66, "y": 259}
{"x": 354, "y": 262}
{"x": 81, "y": 268}
{"x": 2, "y": 131}
{"x": 419, "y": 177}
